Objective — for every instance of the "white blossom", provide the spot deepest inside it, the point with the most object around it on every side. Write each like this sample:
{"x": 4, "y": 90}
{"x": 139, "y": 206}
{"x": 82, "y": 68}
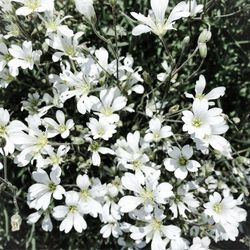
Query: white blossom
{"x": 70, "y": 213}
{"x": 62, "y": 127}
{"x": 148, "y": 193}
{"x": 180, "y": 162}
{"x": 40, "y": 194}
{"x": 23, "y": 57}
{"x": 155, "y": 22}
{"x": 33, "y": 6}
{"x": 156, "y": 132}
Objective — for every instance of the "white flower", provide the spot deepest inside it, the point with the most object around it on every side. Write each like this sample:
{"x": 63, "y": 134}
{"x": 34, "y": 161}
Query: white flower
{"x": 112, "y": 227}
{"x": 183, "y": 201}
{"x": 180, "y": 162}
{"x": 157, "y": 131}
{"x": 131, "y": 155}
{"x": 46, "y": 222}
{"x": 32, "y": 142}
{"x": 194, "y": 8}
{"x": 7, "y": 130}
{"x": 88, "y": 194}
{"x": 199, "y": 88}
{"x": 96, "y": 148}
{"x": 53, "y": 24}
{"x": 214, "y": 140}
{"x": 101, "y": 129}
{"x": 110, "y": 101}
{"x": 39, "y": 194}
{"x": 80, "y": 85}
{"x": 5, "y": 56}
{"x": 86, "y": 8}
{"x": 155, "y": 231}
{"x": 222, "y": 210}
{"x": 23, "y": 57}
{"x": 56, "y": 158}
{"x": 156, "y": 22}
{"x": 200, "y": 244}
{"x": 199, "y": 121}
{"x": 5, "y": 78}
{"x": 110, "y": 209}
{"x": 149, "y": 195}
{"x": 32, "y": 6}
{"x": 67, "y": 45}
{"x": 129, "y": 77}
{"x": 226, "y": 215}
{"x": 71, "y": 213}
{"x": 62, "y": 127}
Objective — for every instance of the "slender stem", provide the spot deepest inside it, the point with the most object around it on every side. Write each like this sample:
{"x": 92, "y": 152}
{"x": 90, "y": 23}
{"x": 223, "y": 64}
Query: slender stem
{"x": 196, "y": 71}
{"x": 5, "y": 165}
{"x": 184, "y": 63}
{"x": 104, "y": 39}
{"x": 116, "y": 42}
{"x": 99, "y": 35}
{"x": 167, "y": 50}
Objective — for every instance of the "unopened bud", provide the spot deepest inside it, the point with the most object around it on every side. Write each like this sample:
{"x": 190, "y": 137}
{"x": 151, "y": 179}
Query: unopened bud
{"x": 205, "y": 36}
{"x": 203, "y": 50}
{"x": 86, "y": 8}
{"x": 113, "y": 2}
{"x": 186, "y": 40}
{"x": 147, "y": 78}
{"x": 174, "y": 109}
{"x": 16, "y": 222}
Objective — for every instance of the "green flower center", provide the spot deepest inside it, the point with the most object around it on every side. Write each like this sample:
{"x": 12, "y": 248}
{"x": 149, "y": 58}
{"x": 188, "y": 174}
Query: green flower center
{"x": 7, "y": 57}
{"x": 94, "y": 146}
{"x": 217, "y": 208}
{"x": 116, "y": 182}
{"x": 85, "y": 88}
{"x": 55, "y": 159}
{"x": 136, "y": 164}
{"x": 148, "y": 195}
{"x": 199, "y": 96}
{"x": 62, "y": 128}
{"x": 182, "y": 161}
{"x": 70, "y": 51}
{"x": 84, "y": 193}
{"x": 33, "y": 4}
{"x": 156, "y": 225}
{"x": 42, "y": 141}
{"x": 72, "y": 209}
{"x": 100, "y": 132}
{"x": 197, "y": 122}
{"x": 156, "y": 136}
{"x": 107, "y": 111}
{"x": 52, "y": 25}
{"x": 52, "y": 187}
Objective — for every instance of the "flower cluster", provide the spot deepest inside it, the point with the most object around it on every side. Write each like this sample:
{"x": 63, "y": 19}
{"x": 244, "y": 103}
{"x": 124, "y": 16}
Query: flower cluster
{"x": 102, "y": 141}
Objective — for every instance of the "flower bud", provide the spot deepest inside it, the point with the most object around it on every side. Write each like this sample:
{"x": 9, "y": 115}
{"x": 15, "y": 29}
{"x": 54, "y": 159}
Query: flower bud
{"x": 86, "y": 8}
{"x": 147, "y": 78}
{"x": 202, "y": 49}
{"x": 186, "y": 41}
{"x": 16, "y": 222}
{"x": 205, "y": 36}
{"x": 113, "y": 2}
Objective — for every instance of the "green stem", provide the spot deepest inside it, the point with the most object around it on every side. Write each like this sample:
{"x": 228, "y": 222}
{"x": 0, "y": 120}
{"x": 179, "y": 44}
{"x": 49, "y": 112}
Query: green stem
{"x": 116, "y": 42}
{"x": 184, "y": 63}
{"x": 167, "y": 50}
{"x": 5, "y": 165}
